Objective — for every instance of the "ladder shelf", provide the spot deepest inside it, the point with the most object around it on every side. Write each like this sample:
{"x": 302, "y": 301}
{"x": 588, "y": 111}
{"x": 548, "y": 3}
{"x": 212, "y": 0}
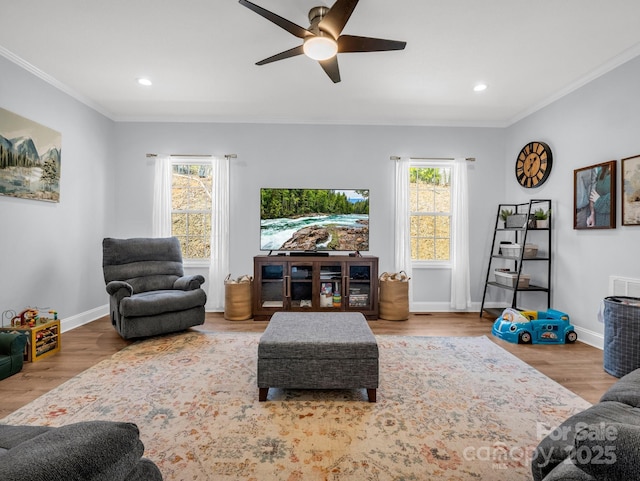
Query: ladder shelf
{"x": 514, "y": 279}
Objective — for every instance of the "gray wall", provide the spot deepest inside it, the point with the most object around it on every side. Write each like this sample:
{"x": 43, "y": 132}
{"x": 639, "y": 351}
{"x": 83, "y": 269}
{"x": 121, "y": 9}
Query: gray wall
{"x": 50, "y": 254}
{"x": 597, "y": 123}
{"x": 317, "y": 156}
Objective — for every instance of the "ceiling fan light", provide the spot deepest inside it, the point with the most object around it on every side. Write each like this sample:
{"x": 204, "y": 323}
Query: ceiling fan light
{"x": 320, "y": 48}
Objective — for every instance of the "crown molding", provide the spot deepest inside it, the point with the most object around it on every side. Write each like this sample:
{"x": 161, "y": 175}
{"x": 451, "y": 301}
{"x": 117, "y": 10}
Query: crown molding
{"x": 608, "y": 66}
{"x": 12, "y": 57}
{"x": 605, "y": 68}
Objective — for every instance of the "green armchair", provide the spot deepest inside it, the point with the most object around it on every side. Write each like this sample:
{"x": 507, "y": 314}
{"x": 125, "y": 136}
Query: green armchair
{"x": 11, "y": 353}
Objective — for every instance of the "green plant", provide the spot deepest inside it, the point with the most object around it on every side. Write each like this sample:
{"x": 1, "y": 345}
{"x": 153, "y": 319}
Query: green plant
{"x": 541, "y": 214}
{"x": 504, "y": 213}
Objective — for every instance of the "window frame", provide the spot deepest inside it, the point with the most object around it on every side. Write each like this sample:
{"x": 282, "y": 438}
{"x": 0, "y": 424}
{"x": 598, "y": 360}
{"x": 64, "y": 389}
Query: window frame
{"x": 192, "y": 261}
{"x": 433, "y": 264}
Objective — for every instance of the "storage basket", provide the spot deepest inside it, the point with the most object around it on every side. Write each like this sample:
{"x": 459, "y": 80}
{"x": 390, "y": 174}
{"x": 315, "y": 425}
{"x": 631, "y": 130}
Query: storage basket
{"x": 508, "y": 278}
{"x": 514, "y": 250}
{"x": 394, "y": 297}
{"x": 511, "y": 250}
{"x": 621, "y": 335}
{"x": 237, "y": 298}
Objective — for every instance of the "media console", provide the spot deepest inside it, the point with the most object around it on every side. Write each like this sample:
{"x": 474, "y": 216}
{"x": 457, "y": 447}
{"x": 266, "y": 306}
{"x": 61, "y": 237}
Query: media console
{"x": 315, "y": 284}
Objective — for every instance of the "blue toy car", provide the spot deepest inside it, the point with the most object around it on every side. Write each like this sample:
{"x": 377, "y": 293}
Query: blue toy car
{"x": 537, "y": 327}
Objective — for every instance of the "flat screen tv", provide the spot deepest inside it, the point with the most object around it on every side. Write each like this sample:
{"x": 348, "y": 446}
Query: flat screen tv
{"x": 314, "y": 220}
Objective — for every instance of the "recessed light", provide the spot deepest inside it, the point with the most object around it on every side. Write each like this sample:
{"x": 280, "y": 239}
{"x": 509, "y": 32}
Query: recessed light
{"x": 145, "y": 81}
{"x": 480, "y": 87}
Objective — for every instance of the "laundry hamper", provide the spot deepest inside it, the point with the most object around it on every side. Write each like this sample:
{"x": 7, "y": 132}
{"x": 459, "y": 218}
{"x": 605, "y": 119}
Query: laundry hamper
{"x": 237, "y": 298}
{"x": 621, "y": 334}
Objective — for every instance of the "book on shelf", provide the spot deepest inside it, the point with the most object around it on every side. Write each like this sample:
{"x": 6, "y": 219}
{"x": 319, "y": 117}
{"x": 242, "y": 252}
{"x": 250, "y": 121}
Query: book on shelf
{"x": 272, "y": 304}
{"x": 45, "y": 348}
{"x": 359, "y": 296}
{"x": 358, "y": 300}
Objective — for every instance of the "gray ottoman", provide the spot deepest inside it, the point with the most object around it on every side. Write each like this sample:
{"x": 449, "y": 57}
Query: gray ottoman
{"x": 318, "y": 350}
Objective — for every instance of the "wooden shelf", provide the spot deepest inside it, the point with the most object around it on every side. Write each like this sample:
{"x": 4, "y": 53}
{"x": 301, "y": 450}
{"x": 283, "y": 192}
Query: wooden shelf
{"x": 298, "y": 283}
{"x": 44, "y": 339}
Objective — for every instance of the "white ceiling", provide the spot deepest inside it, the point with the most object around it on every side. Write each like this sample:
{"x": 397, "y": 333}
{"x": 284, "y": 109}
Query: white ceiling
{"x": 201, "y": 58}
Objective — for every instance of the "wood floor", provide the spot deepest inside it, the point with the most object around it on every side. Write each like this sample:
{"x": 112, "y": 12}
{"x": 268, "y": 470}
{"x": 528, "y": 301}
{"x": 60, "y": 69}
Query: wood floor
{"x": 577, "y": 366}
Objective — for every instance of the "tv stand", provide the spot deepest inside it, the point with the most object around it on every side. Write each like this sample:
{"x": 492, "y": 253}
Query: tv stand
{"x": 315, "y": 283}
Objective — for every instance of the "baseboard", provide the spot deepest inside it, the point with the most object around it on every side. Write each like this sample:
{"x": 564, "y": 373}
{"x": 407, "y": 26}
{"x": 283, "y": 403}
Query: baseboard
{"x": 78, "y": 320}
{"x": 592, "y": 338}
{"x": 587, "y": 336}
{"x": 86, "y": 317}
{"x": 443, "y": 307}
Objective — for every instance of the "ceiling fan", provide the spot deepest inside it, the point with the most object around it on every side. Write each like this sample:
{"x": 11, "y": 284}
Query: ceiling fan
{"x": 322, "y": 41}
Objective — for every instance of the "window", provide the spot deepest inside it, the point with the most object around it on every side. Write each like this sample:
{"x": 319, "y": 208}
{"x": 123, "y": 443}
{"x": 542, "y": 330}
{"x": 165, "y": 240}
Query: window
{"x": 191, "y": 190}
{"x": 430, "y": 212}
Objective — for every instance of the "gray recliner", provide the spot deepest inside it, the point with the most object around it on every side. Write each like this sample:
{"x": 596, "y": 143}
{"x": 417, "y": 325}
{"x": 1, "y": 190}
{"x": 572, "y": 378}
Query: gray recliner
{"x": 148, "y": 291}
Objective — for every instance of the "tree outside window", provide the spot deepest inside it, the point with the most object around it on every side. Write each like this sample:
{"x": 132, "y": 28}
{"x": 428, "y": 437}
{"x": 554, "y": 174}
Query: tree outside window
{"x": 430, "y": 213}
{"x": 191, "y": 190}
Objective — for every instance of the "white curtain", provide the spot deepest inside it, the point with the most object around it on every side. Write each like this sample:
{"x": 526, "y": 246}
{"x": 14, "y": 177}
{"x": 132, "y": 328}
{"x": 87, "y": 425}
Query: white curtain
{"x": 161, "y": 225}
{"x": 402, "y": 261}
{"x": 460, "y": 282}
{"x": 219, "y": 267}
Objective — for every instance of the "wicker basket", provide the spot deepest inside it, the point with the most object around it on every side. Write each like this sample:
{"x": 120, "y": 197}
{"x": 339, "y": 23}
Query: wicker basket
{"x": 394, "y": 297}
{"x": 237, "y": 299}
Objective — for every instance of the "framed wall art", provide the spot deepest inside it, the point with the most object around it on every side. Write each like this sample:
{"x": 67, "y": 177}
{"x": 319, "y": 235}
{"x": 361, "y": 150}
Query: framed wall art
{"x": 631, "y": 190}
{"x": 29, "y": 159}
{"x": 594, "y": 196}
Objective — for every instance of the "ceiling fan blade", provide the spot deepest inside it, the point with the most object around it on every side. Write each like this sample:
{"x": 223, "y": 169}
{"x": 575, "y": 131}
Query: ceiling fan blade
{"x": 282, "y": 55}
{"x": 351, "y": 43}
{"x": 337, "y": 17}
{"x": 289, "y": 26}
{"x": 330, "y": 66}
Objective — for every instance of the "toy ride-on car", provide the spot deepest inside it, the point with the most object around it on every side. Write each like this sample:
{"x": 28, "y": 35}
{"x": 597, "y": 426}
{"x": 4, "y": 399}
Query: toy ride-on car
{"x": 534, "y": 327}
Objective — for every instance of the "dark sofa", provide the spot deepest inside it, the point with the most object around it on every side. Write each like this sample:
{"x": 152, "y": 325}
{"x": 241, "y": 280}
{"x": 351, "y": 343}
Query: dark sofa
{"x": 11, "y": 353}
{"x": 88, "y": 451}
{"x": 601, "y": 443}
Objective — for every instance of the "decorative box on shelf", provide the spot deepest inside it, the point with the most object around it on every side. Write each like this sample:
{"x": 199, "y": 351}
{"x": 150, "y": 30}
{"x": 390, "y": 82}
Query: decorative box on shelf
{"x": 517, "y": 221}
{"x": 44, "y": 339}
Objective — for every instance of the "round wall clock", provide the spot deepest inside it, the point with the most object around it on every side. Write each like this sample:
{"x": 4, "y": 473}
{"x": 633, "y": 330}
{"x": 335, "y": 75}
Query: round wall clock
{"x": 533, "y": 164}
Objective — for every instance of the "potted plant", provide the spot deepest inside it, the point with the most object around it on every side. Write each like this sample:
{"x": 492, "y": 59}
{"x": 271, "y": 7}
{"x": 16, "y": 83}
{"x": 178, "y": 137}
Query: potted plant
{"x": 542, "y": 218}
{"x": 504, "y": 213}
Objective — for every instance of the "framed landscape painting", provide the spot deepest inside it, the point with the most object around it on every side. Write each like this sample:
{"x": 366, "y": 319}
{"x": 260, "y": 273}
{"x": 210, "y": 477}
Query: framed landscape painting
{"x": 631, "y": 190}
{"x": 594, "y": 196}
{"x": 29, "y": 159}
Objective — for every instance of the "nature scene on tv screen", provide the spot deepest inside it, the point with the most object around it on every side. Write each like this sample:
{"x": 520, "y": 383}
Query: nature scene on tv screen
{"x": 314, "y": 219}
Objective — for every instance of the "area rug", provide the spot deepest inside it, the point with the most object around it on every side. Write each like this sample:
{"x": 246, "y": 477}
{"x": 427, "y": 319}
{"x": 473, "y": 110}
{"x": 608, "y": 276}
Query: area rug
{"x": 448, "y": 409}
